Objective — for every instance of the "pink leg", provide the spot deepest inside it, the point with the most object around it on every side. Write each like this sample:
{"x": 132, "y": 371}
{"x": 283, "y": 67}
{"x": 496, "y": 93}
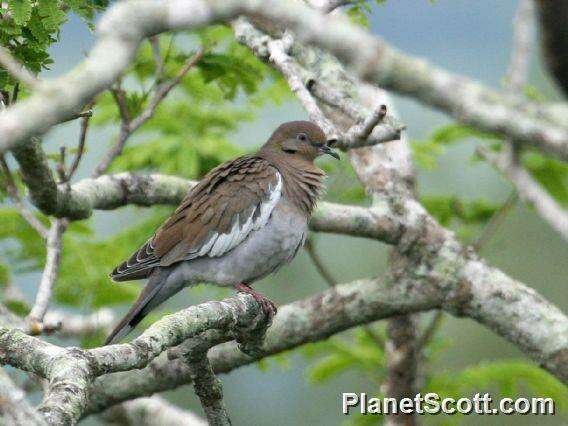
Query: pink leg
{"x": 268, "y": 307}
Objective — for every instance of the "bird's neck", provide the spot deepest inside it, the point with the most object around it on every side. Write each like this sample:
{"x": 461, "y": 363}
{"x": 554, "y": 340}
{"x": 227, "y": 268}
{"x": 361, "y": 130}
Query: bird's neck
{"x": 303, "y": 181}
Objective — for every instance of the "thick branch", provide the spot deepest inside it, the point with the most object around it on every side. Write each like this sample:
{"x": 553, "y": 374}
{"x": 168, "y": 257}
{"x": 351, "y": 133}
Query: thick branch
{"x": 517, "y": 313}
{"x": 17, "y": 70}
{"x": 70, "y": 371}
{"x": 402, "y": 365}
{"x": 127, "y": 23}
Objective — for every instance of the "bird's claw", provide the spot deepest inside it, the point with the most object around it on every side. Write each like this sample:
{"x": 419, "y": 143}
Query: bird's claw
{"x": 268, "y": 307}
{"x": 251, "y": 337}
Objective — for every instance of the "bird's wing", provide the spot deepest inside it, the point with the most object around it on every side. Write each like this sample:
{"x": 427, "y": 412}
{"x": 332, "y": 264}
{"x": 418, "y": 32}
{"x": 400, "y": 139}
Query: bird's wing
{"x": 234, "y": 199}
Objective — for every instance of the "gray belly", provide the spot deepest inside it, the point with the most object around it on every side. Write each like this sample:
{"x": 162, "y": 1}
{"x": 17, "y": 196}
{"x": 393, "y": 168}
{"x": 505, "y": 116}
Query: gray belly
{"x": 261, "y": 253}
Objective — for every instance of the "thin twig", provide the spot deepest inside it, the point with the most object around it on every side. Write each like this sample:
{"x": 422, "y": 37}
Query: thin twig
{"x": 495, "y": 221}
{"x": 82, "y": 114}
{"x": 291, "y": 72}
{"x": 61, "y": 167}
{"x": 13, "y": 193}
{"x": 130, "y": 125}
{"x": 119, "y": 96}
{"x": 361, "y": 134}
{"x": 430, "y": 331}
{"x": 530, "y": 191}
{"x": 50, "y": 271}
{"x": 80, "y": 145}
{"x": 523, "y": 36}
{"x": 318, "y": 263}
{"x": 158, "y": 59}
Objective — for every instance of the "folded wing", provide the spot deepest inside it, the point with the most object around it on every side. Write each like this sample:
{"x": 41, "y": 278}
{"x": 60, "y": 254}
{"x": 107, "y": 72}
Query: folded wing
{"x": 219, "y": 213}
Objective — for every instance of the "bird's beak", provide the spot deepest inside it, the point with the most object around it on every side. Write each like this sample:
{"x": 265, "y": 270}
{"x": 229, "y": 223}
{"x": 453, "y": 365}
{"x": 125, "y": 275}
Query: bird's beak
{"x": 325, "y": 149}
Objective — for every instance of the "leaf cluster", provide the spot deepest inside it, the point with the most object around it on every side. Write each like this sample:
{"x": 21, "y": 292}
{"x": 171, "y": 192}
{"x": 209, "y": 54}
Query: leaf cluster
{"x": 29, "y": 27}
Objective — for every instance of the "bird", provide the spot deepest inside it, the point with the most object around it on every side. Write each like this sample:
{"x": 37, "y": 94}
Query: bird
{"x": 243, "y": 221}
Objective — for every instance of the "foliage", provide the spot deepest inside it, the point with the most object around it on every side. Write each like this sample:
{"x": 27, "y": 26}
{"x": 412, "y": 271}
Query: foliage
{"x": 361, "y": 353}
{"x": 334, "y": 356}
{"x": 426, "y": 152}
{"x": 550, "y": 173}
{"x": 503, "y": 378}
{"x": 188, "y": 134}
{"x": 28, "y": 28}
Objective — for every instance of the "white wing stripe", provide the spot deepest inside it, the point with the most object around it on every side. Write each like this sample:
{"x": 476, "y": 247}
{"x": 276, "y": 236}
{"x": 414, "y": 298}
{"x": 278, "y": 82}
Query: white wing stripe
{"x": 217, "y": 245}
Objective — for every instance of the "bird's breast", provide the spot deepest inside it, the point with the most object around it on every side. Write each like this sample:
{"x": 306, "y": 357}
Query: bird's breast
{"x": 261, "y": 253}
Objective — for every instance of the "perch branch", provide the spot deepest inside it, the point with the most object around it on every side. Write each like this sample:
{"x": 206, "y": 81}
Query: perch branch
{"x": 479, "y": 292}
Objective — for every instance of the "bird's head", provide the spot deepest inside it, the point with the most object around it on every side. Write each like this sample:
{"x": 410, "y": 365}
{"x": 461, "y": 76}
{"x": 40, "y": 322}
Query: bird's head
{"x": 300, "y": 139}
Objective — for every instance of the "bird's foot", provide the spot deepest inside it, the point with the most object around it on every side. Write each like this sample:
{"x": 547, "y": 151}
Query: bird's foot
{"x": 268, "y": 307}
{"x": 251, "y": 336}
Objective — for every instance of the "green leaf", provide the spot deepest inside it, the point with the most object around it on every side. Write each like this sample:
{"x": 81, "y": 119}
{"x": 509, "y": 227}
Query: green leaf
{"x": 19, "y": 307}
{"x": 426, "y": 152}
{"x": 4, "y": 275}
{"x": 504, "y": 378}
{"x": 550, "y": 173}
{"x": 52, "y": 15}
{"x": 21, "y": 10}
{"x": 449, "y": 209}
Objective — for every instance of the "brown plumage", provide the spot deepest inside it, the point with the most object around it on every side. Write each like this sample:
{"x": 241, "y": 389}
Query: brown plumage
{"x": 232, "y": 202}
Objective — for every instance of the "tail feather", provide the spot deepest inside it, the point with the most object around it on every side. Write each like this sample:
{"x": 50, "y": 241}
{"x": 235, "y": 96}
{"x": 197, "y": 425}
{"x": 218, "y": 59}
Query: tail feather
{"x": 147, "y": 301}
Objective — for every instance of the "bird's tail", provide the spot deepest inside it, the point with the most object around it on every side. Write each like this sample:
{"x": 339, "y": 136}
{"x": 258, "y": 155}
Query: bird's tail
{"x": 149, "y": 298}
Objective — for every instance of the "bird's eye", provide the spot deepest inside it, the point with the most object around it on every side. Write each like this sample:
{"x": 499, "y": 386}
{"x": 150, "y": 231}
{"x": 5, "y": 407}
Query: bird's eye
{"x": 302, "y": 137}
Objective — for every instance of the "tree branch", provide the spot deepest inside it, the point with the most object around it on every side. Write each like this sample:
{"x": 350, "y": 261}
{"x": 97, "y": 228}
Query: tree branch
{"x": 154, "y": 411}
{"x": 70, "y": 371}
{"x": 530, "y": 191}
{"x": 401, "y": 352}
{"x": 14, "y": 195}
{"x": 50, "y": 271}
{"x": 15, "y": 410}
{"x": 369, "y": 130}
{"x": 208, "y": 388}
{"x": 129, "y": 125}
{"x": 17, "y": 70}
{"x": 504, "y": 305}
{"x": 127, "y": 23}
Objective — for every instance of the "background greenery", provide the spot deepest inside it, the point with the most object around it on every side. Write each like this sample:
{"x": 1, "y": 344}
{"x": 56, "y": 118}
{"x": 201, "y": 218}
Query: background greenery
{"x": 228, "y": 105}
